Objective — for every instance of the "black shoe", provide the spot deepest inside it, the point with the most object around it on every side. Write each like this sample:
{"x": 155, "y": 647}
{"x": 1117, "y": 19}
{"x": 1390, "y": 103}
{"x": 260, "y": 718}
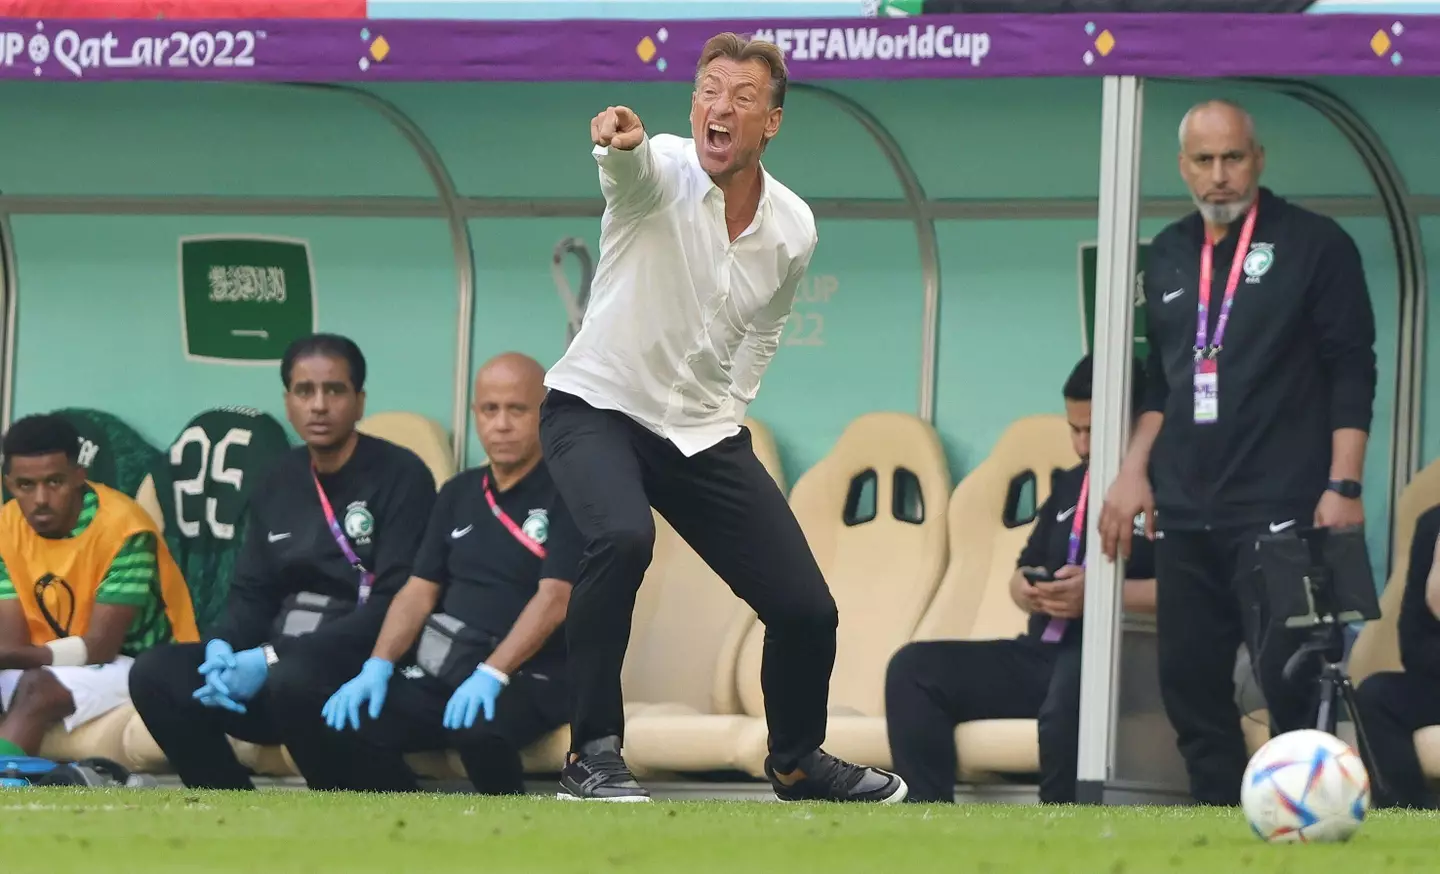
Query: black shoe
{"x": 830, "y": 779}
{"x": 599, "y": 774}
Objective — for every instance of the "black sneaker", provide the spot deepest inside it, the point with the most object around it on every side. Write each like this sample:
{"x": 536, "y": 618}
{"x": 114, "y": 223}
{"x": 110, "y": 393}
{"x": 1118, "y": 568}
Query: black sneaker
{"x": 598, "y": 773}
{"x": 830, "y": 779}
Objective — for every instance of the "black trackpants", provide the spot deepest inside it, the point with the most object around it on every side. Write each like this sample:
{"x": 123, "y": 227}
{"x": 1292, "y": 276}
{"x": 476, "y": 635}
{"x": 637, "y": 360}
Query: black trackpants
{"x": 372, "y": 759}
{"x": 1393, "y": 706}
{"x": 932, "y": 686}
{"x": 1209, "y": 600}
{"x": 610, "y": 471}
{"x": 193, "y": 736}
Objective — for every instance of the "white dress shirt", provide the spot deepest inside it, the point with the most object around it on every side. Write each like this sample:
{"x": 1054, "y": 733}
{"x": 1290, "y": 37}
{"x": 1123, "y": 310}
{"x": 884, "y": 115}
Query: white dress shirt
{"x": 682, "y": 322}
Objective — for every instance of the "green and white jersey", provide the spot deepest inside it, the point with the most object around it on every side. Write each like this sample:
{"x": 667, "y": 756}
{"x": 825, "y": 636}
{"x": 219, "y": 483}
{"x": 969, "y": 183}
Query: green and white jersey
{"x": 203, "y": 485}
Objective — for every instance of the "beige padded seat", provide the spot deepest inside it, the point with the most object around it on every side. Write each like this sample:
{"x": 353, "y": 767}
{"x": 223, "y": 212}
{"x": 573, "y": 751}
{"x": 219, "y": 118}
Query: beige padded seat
{"x": 972, "y": 601}
{"x": 682, "y": 702}
{"x": 103, "y": 737}
{"x": 882, "y": 572}
{"x": 423, "y": 436}
{"x": 977, "y": 582}
{"x": 1377, "y": 648}
{"x": 145, "y": 496}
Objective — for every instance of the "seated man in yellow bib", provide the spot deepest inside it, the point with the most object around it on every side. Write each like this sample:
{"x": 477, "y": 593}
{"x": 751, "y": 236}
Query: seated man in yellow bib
{"x": 86, "y": 584}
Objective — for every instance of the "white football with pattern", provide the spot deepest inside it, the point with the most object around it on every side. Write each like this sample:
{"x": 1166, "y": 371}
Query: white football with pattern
{"x": 1305, "y": 786}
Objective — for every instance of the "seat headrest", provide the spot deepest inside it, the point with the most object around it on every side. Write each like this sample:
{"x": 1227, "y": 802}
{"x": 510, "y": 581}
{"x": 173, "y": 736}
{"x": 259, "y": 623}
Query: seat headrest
{"x": 882, "y": 440}
{"x": 988, "y": 527}
{"x": 1377, "y": 648}
{"x": 873, "y": 512}
{"x": 421, "y": 435}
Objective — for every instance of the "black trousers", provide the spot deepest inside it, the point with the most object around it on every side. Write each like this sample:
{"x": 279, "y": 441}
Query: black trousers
{"x": 933, "y": 686}
{"x": 193, "y": 736}
{"x": 1393, "y": 706}
{"x": 372, "y": 759}
{"x": 610, "y": 471}
{"x": 1209, "y": 600}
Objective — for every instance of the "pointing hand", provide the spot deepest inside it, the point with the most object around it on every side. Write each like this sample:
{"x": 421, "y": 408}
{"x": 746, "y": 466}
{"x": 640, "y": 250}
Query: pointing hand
{"x": 618, "y": 127}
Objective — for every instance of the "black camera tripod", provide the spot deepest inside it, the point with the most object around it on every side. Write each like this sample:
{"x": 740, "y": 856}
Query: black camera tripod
{"x": 1327, "y": 641}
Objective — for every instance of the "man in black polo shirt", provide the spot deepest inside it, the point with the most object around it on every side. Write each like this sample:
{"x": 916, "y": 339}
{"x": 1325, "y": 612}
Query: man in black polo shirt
{"x": 931, "y": 686}
{"x": 1256, "y": 420}
{"x": 1394, "y": 705}
{"x": 475, "y": 628}
{"x": 333, "y": 528}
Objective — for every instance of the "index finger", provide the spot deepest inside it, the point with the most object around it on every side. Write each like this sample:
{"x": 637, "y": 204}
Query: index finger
{"x": 1108, "y": 535}
{"x": 1123, "y": 536}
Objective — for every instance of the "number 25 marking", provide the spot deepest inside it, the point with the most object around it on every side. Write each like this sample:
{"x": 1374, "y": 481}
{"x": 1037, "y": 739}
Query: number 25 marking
{"x": 804, "y": 329}
{"x": 212, "y": 465}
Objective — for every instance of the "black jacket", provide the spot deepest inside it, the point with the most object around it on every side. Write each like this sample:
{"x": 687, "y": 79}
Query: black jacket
{"x": 382, "y": 496}
{"x": 1418, "y": 629}
{"x": 1049, "y": 543}
{"x": 1298, "y": 363}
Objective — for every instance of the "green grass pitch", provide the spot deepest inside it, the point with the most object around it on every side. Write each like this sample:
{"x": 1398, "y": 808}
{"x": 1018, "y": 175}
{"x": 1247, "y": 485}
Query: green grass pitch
{"x": 156, "y": 831}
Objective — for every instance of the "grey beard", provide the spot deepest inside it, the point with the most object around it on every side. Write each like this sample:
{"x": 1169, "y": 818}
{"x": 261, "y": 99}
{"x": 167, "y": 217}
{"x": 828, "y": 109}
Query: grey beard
{"x": 1222, "y": 213}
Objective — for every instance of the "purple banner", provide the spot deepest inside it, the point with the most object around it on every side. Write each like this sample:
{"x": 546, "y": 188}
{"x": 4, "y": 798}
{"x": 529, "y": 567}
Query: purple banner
{"x": 932, "y": 47}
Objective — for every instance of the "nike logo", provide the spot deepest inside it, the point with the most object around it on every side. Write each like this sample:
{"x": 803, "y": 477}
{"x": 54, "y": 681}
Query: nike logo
{"x": 458, "y": 533}
{"x": 1277, "y": 527}
{"x": 276, "y": 538}
{"x": 1166, "y": 298}
{"x": 1062, "y": 516}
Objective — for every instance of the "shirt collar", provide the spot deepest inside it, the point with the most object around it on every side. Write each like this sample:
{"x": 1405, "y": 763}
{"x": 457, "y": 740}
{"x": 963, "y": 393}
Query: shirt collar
{"x": 762, "y": 209}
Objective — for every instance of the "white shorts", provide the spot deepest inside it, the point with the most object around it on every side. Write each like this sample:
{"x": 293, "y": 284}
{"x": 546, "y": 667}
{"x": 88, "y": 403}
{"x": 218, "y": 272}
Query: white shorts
{"x": 97, "y": 689}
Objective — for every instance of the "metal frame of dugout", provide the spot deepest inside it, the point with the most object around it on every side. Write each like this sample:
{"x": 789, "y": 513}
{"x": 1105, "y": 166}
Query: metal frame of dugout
{"x": 1119, "y": 690}
{"x": 1119, "y": 686}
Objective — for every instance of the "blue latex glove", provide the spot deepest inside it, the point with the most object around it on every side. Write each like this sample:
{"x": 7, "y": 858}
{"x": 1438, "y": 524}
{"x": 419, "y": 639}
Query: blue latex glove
{"x": 219, "y": 658}
{"x": 231, "y": 687}
{"x": 248, "y": 675}
{"x": 479, "y": 690}
{"x": 370, "y": 684}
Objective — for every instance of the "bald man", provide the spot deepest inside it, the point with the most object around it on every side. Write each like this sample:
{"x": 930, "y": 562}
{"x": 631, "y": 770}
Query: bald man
{"x": 469, "y": 657}
{"x": 1261, "y": 384}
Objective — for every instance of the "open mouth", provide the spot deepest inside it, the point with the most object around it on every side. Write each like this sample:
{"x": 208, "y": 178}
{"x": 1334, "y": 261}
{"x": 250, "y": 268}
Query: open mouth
{"x": 717, "y": 137}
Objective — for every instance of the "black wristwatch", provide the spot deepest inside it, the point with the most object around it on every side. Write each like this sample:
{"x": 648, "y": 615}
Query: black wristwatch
{"x": 1345, "y": 488}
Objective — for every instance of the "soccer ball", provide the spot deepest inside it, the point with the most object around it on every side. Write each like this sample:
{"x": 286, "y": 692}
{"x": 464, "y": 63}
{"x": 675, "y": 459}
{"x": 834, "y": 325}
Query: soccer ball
{"x": 1307, "y": 786}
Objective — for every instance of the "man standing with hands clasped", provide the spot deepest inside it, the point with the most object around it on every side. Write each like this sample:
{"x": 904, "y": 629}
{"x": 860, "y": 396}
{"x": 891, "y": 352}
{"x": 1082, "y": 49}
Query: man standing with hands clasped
{"x": 701, "y": 252}
{"x": 1261, "y": 384}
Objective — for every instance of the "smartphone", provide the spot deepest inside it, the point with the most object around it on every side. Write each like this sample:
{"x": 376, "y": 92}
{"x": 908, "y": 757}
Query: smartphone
{"x": 1038, "y": 575}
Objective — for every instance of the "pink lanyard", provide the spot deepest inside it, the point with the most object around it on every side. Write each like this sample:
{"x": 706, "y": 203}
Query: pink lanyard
{"x": 1077, "y": 526}
{"x": 1055, "y": 628}
{"x": 525, "y": 539}
{"x": 367, "y": 579}
{"x": 1207, "y": 273}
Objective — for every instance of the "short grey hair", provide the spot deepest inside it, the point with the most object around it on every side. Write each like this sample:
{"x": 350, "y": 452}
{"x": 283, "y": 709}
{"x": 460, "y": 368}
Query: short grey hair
{"x": 1247, "y": 119}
